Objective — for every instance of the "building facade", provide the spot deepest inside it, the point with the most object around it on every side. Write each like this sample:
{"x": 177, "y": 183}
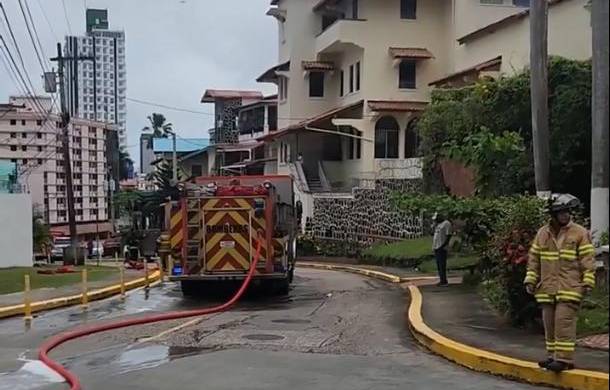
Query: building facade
{"x": 96, "y": 88}
{"x": 33, "y": 141}
{"x": 353, "y": 76}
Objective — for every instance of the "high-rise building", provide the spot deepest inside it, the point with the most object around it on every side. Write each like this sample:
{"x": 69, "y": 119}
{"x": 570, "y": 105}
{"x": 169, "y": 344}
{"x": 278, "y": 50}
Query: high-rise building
{"x": 31, "y": 141}
{"x": 96, "y": 87}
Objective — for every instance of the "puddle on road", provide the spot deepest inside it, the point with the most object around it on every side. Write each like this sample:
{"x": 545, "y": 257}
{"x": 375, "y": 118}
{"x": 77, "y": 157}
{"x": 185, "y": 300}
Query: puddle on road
{"x": 32, "y": 375}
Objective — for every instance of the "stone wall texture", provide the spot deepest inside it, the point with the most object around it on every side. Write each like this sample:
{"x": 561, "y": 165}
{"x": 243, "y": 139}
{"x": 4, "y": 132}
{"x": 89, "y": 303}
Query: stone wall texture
{"x": 366, "y": 215}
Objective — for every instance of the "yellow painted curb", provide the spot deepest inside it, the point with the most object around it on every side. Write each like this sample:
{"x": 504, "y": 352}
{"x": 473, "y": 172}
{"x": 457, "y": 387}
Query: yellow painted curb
{"x": 485, "y": 361}
{"x": 93, "y": 295}
{"x": 356, "y": 270}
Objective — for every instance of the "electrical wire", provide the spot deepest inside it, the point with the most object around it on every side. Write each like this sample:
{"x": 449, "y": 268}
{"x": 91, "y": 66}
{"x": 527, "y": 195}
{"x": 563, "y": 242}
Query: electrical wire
{"x": 32, "y": 39}
{"x": 46, "y": 18}
{"x": 63, "y": 4}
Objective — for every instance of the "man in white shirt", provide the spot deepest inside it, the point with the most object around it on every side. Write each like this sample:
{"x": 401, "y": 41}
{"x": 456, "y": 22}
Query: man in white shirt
{"x": 440, "y": 242}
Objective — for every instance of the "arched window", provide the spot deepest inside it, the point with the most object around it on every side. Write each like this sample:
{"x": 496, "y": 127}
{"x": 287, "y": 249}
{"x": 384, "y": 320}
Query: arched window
{"x": 386, "y": 138}
{"x": 411, "y": 139}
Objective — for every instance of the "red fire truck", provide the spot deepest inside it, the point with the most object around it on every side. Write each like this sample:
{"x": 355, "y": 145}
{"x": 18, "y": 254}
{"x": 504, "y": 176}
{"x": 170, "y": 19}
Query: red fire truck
{"x": 213, "y": 229}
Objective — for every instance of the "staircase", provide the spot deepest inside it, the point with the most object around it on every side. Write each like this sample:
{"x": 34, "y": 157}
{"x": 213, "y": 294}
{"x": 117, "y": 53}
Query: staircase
{"x": 313, "y": 181}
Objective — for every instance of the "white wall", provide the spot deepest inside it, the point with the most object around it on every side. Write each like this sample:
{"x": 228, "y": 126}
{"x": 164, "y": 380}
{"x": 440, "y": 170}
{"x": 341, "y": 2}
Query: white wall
{"x": 15, "y": 230}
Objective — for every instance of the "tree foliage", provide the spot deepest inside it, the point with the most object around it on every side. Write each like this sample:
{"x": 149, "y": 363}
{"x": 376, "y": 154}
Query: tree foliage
{"x": 497, "y": 113}
{"x": 158, "y": 125}
{"x": 41, "y": 235}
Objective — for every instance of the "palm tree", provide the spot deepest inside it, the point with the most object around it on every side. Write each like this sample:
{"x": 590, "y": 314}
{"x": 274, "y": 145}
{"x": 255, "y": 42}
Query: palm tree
{"x": 158, "y": 126}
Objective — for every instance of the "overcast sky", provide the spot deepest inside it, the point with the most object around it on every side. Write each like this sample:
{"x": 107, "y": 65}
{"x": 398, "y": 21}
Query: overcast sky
{"x": 175, "y": 50}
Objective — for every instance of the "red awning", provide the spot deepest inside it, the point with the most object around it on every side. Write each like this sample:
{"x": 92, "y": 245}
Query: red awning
{"x": 396, "y": 105}
{"x": 318, "y": 65}
{"x": 270, "y": 75}
{"x": 416, "y": 53}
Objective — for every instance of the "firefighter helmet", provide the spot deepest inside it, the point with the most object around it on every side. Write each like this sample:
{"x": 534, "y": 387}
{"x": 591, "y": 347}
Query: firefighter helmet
{"x": 561, "y": 202}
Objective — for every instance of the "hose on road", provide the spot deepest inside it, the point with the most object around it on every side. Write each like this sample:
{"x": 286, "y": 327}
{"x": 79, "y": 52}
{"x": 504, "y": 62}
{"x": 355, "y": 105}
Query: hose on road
{"x": 61, "y": 338}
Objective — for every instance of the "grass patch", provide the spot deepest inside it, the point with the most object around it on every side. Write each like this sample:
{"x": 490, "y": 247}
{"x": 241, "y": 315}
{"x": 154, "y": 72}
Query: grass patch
{"x": 11, "y": 279}
{"x": 408, "y": 249}
{"x": 593, "y": 317}
{"x": 454, "y": 263}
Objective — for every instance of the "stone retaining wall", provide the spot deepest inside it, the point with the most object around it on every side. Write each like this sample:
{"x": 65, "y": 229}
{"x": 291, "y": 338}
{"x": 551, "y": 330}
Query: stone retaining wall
{"x": 366, "y": 215}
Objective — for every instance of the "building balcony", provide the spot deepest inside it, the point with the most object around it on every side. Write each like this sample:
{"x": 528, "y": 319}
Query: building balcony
{"x": 342, "y": 33}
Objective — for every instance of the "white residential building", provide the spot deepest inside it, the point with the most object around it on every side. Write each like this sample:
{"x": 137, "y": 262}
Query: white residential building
{"x": 353, "y": 77}
{"x": 96, "y": 87}
{"x": 33, "y": 140}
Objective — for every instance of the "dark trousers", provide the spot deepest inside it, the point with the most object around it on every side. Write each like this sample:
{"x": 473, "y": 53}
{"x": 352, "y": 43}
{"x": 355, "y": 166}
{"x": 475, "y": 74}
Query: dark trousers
{"x": 441, "y": 264}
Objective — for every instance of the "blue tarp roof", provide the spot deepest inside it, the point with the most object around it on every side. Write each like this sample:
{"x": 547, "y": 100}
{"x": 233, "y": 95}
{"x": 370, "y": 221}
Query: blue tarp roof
{"x": 183, "y": 145}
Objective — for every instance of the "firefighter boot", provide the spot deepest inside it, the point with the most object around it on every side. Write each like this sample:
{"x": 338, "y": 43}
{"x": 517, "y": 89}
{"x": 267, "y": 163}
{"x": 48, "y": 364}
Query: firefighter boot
{"x": 548, "y": 319}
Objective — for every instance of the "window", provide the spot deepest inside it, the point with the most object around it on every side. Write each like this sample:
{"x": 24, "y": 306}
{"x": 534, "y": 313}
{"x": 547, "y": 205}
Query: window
{"x": 351, "y": 78}
{"x": 24, "y": 148}
{"x": 500, "y": 2}
{"x": 386, "y": 138}
{"x": 411, "y": 139}
{"x": 358, "y": 76}
{"x": 341, "y": 83}
{"x": 354, "y": 9}
{"x": 38, "y": 123}
{"x": 24, "y": 161}
{"x": 316, "y": 84}
{"x": 406, "y": 77}
{"x": 23, "y": 122}
{"x": 408, "y": 9}
{"x": 13, "y": 148}
{"x": 40, "y": 148}
{"x": 13, "y": 122}
{"x": 24, "y": 135}
{"x": 13, "y": 135}
{"x": 196, "y": 170}
{"x": 39, "y": 161}
{"x": 39, "y": 135}
{"x": 521, "y": 3}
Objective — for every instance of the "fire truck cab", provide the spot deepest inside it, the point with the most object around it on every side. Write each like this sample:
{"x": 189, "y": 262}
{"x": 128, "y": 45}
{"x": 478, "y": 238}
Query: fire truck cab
{"x": 213, "y": 230}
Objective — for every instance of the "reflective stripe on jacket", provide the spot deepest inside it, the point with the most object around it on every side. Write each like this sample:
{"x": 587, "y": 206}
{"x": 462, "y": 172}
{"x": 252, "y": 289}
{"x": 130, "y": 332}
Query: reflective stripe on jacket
{"x": 560, "y": 266}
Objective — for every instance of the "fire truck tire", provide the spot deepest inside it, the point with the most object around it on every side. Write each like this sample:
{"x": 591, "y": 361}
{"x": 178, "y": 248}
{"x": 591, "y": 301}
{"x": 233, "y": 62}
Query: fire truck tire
{"x": 283, "y": 286}
{"x": 189, "y": 288}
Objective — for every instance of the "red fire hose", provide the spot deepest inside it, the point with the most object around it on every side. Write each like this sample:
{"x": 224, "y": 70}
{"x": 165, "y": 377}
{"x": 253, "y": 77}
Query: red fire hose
{"x": 61, "y": 338}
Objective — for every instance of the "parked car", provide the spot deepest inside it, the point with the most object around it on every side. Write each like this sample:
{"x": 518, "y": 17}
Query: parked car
{"x": 112, "y": 246}
{"x": 59, "y": 244}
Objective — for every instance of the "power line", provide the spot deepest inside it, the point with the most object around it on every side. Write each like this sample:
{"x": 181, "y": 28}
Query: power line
{"x": 44, "y": 14}
{"x": 27, "y": 7}
{"x": 31, "y": 34}
{"x": 63, "y": 4}
{"x": 169, "y": 107}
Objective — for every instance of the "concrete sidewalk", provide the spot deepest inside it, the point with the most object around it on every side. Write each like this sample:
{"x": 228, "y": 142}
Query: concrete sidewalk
{"x": 41, "y": 294}
{"x": 460, "y": 314}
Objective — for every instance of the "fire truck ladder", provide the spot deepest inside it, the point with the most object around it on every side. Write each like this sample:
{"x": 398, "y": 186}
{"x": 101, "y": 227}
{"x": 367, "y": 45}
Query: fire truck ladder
{"x": 194, "y": 233}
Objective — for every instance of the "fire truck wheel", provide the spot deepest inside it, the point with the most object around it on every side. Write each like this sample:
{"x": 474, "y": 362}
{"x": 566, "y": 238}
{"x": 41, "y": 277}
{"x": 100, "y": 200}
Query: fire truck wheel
{"x": 189, "y": 288}
{"x": 283, "y": 286}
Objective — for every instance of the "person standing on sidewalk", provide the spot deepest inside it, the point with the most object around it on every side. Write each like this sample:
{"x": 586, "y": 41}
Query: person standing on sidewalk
{"x": 440, "y": 243}
{"x": 560, "y": 272}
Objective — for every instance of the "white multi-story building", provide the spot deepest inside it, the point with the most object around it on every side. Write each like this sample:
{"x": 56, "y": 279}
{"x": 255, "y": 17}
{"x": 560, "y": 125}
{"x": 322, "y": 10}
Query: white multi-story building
{"x": 354, "y": 75}
{"x": 33, "y": 140}
{"x": 96, "y": 87}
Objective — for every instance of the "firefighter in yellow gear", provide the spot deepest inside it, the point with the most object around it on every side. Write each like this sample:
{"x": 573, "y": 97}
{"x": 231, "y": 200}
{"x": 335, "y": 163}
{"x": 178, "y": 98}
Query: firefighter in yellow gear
{"x": 560, "y": 272}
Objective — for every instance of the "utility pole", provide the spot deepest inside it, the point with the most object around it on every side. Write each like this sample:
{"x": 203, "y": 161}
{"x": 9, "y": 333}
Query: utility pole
{"x": 174, "y": 160}
{"x": 539, "y": 10}
{"x": 599, "y": 117}
{"x": 65, "y": 122}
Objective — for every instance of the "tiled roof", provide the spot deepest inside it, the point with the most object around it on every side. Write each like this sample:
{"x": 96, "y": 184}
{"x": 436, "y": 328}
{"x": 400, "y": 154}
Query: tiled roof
{"x": 493, "y": 64}
{"x": 490, "y": 28}
{"x": 211, "y": 95}
{"x": 410, "y": 52}
{"x": 311, "y": 121}
{"x": 184, "y": 145}
{"x": 270, "y": 75}
{"x": 396, "y": 105}
{"x": 318, "y": 65}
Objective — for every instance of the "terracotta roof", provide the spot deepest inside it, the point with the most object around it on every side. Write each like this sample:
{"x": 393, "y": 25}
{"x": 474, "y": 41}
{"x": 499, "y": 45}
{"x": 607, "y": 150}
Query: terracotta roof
{"x": 318, "y": 65}
{"x": 211, "y": 95}
{"x": 311, "y": 121}
{"x": 410, "y": 52}
{"x": 493, "y": 64}
{"x": 495, "y": 26}
{"x": 270, "y": 75}
{"x": 396, "y": 105}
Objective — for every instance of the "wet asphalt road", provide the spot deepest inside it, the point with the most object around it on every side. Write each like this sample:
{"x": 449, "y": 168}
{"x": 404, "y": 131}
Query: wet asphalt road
{"x": 334, "y": 331}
